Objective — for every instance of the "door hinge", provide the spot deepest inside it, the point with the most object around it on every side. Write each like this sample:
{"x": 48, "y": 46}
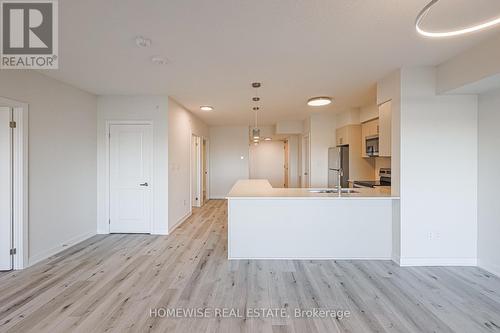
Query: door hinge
{"x": 12, "y": 124}
{"x": 109, "y": 221}
{"x": 13, "y": 251}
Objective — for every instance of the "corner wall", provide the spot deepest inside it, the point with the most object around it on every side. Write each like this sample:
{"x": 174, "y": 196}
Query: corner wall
{"x": 62, "y": 160}
{"x": 182, "y": 124}
{"x": 438, "y": 221}
{"x": 489, "y": 182}
{"x": 229, "y": 155}
{"x": 321, "y": 137}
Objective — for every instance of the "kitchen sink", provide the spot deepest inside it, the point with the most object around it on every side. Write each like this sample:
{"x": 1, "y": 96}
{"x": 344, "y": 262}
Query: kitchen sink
{"x": 344, "y": 190}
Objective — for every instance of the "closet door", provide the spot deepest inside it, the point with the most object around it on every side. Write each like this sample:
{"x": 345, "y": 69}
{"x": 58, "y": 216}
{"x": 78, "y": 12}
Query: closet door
{"x": 5, "y": 189}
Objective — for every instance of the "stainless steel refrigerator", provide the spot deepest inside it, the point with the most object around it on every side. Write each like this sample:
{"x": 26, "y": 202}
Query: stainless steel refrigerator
{"x": 338, "y": 157}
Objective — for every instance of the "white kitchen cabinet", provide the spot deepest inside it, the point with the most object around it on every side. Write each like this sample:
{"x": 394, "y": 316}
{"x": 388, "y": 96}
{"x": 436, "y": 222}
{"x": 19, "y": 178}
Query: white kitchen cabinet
{"x": 385, "y": 119}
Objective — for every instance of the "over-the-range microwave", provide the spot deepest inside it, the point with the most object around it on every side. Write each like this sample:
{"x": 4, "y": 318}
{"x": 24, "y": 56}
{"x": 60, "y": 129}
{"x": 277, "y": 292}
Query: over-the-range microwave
{"x": 372, "y": 145}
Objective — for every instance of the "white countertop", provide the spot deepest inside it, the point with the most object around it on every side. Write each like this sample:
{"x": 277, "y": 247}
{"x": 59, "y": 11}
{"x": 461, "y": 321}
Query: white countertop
{"x": 262, "y": 189}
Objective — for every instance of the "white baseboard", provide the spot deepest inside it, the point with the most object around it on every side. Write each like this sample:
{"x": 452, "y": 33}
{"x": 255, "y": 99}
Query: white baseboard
{"x": 437, "y": 261}
{"x": 305, "y": 258}
{"x": 162, "y": 231}
{"x": 59, "y": 248}
{"x": 217, "y": 198}
{"x": 396, "y": 259}
{"x": 181, "y": 220}
{"x": 490, "y": 267}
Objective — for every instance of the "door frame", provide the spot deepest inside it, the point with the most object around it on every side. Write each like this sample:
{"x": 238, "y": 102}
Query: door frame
{"x": 199, "y": 170}
{"x": 304, "y": 159}
{"x": 20, "y": 186}
{"x": 195, "y": 139}
{"x": 207, "y": 165}
{"x": 107, "y": 180}
{"x": 286, "y": 164}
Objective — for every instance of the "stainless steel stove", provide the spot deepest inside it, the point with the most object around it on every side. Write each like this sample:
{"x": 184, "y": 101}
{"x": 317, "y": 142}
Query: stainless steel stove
{"x": 385, "y": 180}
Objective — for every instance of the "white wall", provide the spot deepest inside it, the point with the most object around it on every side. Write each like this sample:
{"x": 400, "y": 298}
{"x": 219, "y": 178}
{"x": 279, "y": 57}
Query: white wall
{"x": 322, "y": 137}
{"x": 228, "y": 158}
{"x": 368, "y": 112}
{"x": 349, "y": 117}
{"x": 182, "y": 124}
{"x": 438, "y": 173}
{"x": 489, "y": 182}
{"x": 135, "y": 108}
{"x": 62, "y": 160}
{"x": 289, "y": 127}
{"x": 266, "y": 161}
{"x": 472, "y": 65}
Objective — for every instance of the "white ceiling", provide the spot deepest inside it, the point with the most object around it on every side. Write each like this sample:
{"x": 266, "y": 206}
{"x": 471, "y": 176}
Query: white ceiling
{"x": 215, "y": 48}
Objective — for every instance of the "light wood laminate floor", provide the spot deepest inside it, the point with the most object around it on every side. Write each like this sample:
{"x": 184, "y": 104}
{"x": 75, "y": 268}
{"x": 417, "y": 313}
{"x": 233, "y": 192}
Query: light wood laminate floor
{"x": 110, "y": 283}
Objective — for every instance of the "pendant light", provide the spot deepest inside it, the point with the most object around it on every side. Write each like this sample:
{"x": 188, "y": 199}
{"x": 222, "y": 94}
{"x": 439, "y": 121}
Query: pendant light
{"x": 450, "y": 33}
{"x": 256, "y": 129}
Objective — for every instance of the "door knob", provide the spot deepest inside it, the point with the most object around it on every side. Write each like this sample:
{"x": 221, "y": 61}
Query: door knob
{"x": 144, "y": 184}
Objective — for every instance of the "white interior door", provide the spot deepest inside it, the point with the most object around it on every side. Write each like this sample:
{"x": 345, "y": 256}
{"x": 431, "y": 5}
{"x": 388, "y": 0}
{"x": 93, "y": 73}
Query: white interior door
{"x": 5, "y": 189}
{"x": 130, "y": 178}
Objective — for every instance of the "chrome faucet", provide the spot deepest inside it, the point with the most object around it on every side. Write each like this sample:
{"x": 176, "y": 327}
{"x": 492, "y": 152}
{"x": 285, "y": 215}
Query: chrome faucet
{"x": 340, "y": 173}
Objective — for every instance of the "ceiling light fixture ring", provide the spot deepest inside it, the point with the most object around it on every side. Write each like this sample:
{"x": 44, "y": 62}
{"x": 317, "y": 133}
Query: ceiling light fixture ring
{"x": 450, "y": 33}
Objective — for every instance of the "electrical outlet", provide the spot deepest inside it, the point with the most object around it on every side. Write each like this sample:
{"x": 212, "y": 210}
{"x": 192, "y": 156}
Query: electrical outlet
{"x": 185, "y": 202}
{"x": 433, "y": 235}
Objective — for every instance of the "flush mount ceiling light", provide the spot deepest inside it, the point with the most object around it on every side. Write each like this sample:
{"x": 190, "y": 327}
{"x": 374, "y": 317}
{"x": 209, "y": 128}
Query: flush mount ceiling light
{"x": 450, "y": 33}
{"x": 158, "y": 60}
{"x": 206, "y": 108}
{"x": 319, "y": 101}
{"x": 267, "y": 139}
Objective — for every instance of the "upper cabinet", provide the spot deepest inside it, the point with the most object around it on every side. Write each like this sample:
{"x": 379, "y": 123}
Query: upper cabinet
{"x": 385, "y": 119}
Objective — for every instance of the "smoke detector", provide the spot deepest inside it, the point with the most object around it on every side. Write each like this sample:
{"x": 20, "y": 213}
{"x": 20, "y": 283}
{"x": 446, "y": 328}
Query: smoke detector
{"x": 142, "y": 42}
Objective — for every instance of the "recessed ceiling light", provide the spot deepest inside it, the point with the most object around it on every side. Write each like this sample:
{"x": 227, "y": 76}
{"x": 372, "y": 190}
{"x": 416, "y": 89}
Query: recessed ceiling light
{"x": 206, "y": 108}
{"x": 268, "y": 139}
{"x": 142, "y": 41}
{"x": 158, "y": 60}
{"x": 449, "y": 33}
{"x": 319, "y": 101}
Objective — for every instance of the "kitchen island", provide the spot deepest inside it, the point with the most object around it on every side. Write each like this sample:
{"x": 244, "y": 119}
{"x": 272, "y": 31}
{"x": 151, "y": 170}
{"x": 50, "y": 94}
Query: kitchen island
{"x": 299, "y": 223}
